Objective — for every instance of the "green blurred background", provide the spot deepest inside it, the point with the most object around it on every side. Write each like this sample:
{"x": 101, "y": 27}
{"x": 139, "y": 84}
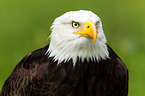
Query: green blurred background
{"x": 24, "y": 27}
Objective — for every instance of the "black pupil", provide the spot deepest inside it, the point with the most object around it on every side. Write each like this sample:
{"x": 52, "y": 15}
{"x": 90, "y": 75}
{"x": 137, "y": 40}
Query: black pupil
{"x": 76, "y": 24}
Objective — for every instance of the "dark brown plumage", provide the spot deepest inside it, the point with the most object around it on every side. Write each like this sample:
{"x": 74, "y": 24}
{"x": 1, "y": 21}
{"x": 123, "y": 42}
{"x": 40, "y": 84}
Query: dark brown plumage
{"x": 38, "y": 75}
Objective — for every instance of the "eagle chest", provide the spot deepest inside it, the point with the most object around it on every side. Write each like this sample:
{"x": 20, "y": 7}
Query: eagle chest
{"x": 83, "y": 79}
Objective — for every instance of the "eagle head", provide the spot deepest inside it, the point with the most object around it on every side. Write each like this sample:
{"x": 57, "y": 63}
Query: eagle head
{"x": 77, "y": 34}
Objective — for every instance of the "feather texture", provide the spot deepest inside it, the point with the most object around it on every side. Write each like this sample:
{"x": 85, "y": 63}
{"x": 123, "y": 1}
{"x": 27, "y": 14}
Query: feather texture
{"x": 38, "y": 75}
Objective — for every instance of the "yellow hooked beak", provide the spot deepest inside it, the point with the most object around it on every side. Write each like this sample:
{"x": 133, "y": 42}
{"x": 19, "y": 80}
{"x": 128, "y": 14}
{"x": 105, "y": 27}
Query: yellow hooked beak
{"x": 88, "y": 31}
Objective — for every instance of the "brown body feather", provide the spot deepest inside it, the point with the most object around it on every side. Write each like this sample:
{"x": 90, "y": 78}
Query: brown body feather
{"x": 39, "y": 75}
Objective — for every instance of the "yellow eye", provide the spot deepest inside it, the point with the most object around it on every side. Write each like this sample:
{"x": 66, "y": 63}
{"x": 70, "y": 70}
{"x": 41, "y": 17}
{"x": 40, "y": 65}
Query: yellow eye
{"x": 75, "y": 24}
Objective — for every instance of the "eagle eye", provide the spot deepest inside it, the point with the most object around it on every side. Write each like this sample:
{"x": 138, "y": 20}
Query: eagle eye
{"x": 97, "y": 23}
{"x": 75, "y": 24}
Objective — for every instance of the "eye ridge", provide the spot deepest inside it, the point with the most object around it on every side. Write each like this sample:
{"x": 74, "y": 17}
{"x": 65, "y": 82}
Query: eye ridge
{"x": 75, "y": 24}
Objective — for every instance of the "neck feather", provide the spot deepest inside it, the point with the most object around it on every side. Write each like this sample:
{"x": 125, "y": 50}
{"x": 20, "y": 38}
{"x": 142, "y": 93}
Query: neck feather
{"x": 73, "y": 50}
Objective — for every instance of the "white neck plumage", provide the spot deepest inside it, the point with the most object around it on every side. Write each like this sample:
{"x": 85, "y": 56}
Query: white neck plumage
{"x": 64, "y": 51}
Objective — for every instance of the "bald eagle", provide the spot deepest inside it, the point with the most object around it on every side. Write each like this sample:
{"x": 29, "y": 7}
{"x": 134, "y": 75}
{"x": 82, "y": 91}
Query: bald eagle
{"x": 77, "y": 62}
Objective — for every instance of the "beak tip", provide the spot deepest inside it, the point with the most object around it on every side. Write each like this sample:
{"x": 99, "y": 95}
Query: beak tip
{"x": 94, "y": 41}
{"x": 95, "y": 38}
